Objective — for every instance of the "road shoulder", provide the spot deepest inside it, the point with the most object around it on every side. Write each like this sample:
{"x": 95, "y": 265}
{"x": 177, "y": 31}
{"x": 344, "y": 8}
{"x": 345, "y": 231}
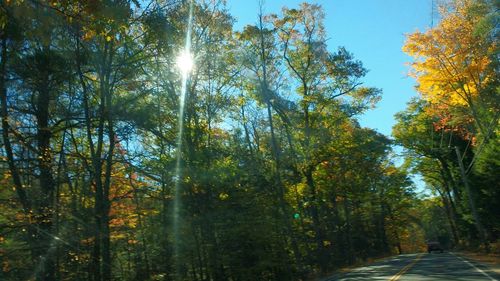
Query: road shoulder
{"x": 490, "y": 263}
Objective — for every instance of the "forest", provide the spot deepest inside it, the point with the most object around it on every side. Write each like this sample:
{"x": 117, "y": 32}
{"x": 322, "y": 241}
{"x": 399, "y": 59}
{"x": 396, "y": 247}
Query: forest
{"x": 120, "y": 161}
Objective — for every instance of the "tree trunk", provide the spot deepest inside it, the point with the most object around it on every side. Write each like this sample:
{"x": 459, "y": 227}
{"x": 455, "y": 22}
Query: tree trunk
{"x": 45, "y": 212}
{"x": 449, "y": 216}
{"x": 319, "y": 237}
{"x": 477, "y": 221}
{"x": 16, "y": 177}
{"x": 450, "y": 209}
{"x": 266, "y": 93}
{"x": 347, "y": 234}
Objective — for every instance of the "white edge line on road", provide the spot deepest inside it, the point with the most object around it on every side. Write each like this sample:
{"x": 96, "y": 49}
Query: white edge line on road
{"x": 477, "y": 269}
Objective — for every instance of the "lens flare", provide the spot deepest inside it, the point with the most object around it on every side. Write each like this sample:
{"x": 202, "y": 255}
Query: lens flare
{"x": 185, "y": 62}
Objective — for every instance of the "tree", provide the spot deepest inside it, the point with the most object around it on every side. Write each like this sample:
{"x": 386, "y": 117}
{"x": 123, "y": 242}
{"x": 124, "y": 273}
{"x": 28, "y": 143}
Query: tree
{"x": 454, "y": 63}
{"x": 321, "y": 77}
{"x": 456, "y": 72}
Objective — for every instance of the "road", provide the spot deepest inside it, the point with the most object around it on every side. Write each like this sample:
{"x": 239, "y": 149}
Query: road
{"x": 420, "y": 267}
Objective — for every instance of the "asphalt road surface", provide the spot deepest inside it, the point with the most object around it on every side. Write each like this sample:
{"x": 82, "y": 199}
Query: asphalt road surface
{"x": 421, "y": 267}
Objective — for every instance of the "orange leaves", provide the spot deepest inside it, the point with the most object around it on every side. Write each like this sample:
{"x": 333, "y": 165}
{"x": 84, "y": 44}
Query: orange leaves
{"x": 132, "y": 241}
{"x": 88, "y": 35}
{"x": 123, "y": 212}
{"x": 446, "y": 120}
{"x": 127, "y": 221}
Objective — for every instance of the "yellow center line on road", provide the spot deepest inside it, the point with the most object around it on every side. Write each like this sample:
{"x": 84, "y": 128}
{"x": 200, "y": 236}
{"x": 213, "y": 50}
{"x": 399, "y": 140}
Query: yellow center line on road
{"x": 406, "y": 268}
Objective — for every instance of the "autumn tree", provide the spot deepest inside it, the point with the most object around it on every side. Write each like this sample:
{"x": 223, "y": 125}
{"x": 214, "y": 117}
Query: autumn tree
{"x": 454, "y": 64}
{"x": 455, "y": 68}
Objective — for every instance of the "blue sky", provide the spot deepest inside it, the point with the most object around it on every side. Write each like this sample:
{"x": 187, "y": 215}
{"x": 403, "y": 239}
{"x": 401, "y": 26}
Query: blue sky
{"x": 373, "y": 30}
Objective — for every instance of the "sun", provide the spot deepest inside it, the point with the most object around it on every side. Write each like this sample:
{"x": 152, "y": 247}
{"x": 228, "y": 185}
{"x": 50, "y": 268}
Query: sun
{"x": 185, "y": 62}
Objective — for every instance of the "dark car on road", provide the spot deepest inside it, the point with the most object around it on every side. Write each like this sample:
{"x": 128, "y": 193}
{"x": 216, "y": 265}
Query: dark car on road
{"x": 434, "y": 246}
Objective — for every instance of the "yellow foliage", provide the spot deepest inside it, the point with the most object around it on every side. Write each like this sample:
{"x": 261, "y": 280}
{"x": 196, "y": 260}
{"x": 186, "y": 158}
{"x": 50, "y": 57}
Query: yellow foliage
{"x": 451, "y": 62}
{"x": 223, "y": 196}
{"x": 412, "y": 239}
{"x": 117, "y": 236}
